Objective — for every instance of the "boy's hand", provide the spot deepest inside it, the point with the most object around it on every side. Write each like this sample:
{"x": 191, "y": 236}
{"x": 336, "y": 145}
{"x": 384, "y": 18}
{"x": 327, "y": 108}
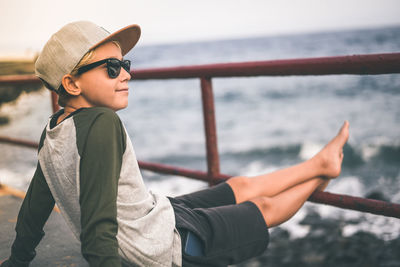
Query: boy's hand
{"x": 8, "y": 263}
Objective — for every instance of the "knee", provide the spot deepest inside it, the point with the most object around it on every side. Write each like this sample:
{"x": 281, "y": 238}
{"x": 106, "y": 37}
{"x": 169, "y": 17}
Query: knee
{"x": 241, "y": 188}
{"x": 265, "y": 204}
{"x": 266, "y": 207}
{"x": 239, "y": 182}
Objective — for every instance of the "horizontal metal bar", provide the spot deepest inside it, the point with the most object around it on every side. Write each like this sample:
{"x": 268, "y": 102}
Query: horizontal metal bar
{"x": 18, "y": 79}
{"x": 20, "y": 142}
{"x": 357, "y": 203}
{"x": 354, "y": 64}
{"x": 377, "y": 207}
{"x": 341, "y": 201}
{"x": 173, "y": 170}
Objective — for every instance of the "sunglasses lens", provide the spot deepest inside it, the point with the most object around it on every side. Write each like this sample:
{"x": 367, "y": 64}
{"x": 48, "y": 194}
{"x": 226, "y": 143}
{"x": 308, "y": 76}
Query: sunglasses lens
{"x": 113, "y": 68}
{"x": 126, "y": 64}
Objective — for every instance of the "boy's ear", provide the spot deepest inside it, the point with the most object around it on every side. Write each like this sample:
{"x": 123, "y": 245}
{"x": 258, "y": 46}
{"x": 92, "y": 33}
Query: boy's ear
{"x": 70, "y": 85}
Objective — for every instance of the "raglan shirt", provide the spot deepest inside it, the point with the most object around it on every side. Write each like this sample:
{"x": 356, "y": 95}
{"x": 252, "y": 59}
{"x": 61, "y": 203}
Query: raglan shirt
{"x": 87, "y": 166}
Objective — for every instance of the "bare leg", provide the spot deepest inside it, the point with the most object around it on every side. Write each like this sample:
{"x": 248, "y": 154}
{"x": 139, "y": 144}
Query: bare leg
{"x": 327, "y": 163}
{"x": 282, "y": 207}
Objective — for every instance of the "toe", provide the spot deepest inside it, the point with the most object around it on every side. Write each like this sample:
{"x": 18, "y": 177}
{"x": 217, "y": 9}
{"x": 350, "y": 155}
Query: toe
{"x": 344, "y": 133}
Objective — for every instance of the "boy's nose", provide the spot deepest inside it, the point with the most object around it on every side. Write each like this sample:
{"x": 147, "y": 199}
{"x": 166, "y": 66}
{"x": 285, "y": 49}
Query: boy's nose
{"x": 125, "y": 75}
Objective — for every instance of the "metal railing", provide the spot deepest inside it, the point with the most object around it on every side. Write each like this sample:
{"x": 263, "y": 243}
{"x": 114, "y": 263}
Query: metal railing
{"x": 356, "y": 64}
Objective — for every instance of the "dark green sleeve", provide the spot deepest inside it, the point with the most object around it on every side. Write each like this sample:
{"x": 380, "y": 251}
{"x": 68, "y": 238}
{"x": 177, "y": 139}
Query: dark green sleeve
{"x": 101, "y": 160}
{"x": 34, "y": 212}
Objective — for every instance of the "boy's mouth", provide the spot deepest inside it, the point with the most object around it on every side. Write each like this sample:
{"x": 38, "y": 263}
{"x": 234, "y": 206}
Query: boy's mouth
{"x": 122, "y": 90}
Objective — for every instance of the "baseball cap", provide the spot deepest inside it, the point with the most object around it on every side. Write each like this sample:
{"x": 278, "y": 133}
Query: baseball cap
{"x": 65, "y": 48}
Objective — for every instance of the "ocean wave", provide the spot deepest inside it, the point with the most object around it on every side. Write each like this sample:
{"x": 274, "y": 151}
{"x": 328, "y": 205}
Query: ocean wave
{"x": 284, "y": 150}
{"x": 388, "y": 153}
{"x": 381, "y": 151}
{"x": 354, "y": 155}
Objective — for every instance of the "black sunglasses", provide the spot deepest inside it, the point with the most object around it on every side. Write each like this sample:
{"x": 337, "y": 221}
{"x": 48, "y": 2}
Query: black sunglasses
{"x": 113, "y": 66}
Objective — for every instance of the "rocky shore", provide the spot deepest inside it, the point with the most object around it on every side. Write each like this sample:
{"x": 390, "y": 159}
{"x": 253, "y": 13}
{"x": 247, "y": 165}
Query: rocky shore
{"x": 325, "y": 245}
{"x": 16, "y": 66}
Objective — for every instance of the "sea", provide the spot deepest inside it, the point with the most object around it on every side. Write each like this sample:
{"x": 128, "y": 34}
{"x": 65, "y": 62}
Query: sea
{"x": 263, "y": 123}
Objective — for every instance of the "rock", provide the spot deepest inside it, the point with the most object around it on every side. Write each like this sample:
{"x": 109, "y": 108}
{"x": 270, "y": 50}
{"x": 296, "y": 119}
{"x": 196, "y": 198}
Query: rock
{"x": 377, "y": 195}
{"x": 15, "y": 65}
{"x": 10, "y": 93}
{"x": 326, "y": 246}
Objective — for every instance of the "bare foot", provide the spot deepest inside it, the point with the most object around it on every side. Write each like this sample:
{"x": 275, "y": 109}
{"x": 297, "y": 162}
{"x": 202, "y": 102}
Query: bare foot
{"x": 331, "y": 156}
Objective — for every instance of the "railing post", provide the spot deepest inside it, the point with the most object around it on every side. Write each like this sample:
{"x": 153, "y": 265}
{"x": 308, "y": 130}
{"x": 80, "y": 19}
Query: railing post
{"x": 210, "y": 129}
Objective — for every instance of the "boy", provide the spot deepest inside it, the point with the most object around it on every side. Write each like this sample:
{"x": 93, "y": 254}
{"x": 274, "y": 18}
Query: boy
{"x": 87, "y": 165}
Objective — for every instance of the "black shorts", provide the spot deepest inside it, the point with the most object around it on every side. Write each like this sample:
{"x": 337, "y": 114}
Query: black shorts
{"x": 229, "y": 232}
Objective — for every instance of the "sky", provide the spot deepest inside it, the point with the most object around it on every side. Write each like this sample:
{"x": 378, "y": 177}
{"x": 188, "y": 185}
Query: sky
{"x": 26, "y": 25}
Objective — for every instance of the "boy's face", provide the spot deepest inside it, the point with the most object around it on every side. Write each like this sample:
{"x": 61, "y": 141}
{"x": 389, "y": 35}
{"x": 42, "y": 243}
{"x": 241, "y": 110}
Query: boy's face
{"x": 97, "y": 88}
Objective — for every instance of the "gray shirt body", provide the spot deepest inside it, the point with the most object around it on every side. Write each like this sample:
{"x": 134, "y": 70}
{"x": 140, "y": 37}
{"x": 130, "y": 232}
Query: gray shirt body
{"x": 90, "y": 167}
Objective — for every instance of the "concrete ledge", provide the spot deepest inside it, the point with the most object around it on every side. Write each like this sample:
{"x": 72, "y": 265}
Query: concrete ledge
{"x": 58, "y": 247}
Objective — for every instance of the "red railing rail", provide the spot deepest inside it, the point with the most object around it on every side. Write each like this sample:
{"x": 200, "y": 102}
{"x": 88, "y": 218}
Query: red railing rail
{"x": 355, "y": 64}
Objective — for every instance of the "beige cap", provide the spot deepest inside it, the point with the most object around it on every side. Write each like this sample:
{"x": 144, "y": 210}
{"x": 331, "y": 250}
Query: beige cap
{"x": 66, "y": 47}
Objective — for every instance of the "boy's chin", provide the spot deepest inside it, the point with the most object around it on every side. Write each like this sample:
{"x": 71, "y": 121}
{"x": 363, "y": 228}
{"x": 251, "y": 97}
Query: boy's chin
{"x": 119, "y": 107}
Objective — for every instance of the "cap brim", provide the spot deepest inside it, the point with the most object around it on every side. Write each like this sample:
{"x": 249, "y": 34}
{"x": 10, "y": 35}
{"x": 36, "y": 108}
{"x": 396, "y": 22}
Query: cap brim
{"x": 127, "y": 37}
